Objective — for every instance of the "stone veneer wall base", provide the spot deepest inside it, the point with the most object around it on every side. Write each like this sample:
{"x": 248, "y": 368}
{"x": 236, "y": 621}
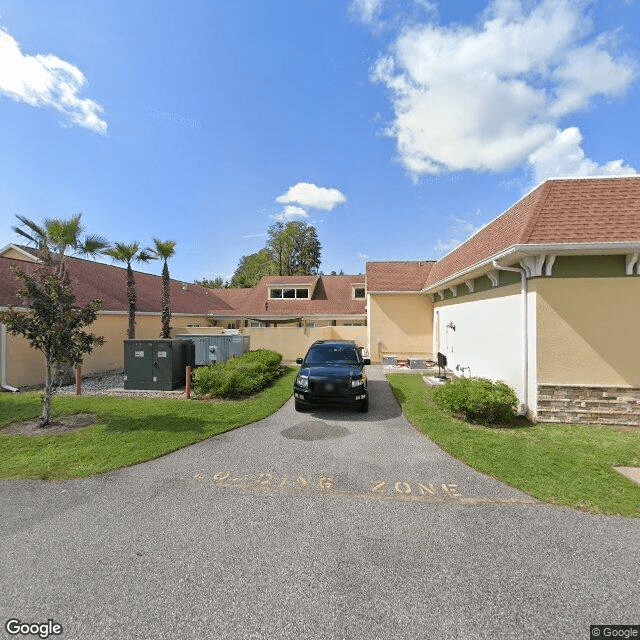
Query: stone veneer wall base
{"x": 589, "y": 404}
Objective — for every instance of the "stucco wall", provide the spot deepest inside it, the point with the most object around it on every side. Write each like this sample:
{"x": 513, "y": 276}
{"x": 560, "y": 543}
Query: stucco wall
{"x": 25, "y": 366}
{"x": 293, "y": 342}
{"x": 589, "y": 331}
{"x": 400, "y": 324}
{"x": 487, "y": 337}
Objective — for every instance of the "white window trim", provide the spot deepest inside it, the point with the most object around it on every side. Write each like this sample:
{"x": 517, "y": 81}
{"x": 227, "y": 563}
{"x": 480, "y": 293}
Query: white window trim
{"x": 293, "y": 288}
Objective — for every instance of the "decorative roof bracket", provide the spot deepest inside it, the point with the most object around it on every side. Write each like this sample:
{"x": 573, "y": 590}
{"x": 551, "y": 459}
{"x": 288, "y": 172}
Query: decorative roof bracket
{"x": 533, "y": 264}
{"x": 548, "y": 267}
{"x": 631, "y": 262}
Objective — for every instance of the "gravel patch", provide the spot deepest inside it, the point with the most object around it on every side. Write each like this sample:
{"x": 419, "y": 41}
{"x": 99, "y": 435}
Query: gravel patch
{"x": 111, "y": 383}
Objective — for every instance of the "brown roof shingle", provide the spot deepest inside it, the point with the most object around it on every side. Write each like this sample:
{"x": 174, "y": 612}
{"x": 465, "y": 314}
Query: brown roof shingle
{"x": 397, "y": 276}
{"x": 579, "y": 210}
{"x": 107, "y": 283}
{"x": 330, "y": 295}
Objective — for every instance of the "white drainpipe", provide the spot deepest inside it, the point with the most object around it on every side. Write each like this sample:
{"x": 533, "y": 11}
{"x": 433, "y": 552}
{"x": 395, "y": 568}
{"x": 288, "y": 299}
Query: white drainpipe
{"x": 3, "y": 360}
{"x": 525, "y": 334}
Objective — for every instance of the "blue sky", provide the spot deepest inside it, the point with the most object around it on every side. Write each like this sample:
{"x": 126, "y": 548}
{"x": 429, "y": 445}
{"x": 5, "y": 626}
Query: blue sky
{"x": 396, "y": 127}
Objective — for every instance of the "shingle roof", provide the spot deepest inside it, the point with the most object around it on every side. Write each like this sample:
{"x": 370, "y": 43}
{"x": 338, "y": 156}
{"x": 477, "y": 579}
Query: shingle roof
{"x": 583, "y": 210}
{"x": 331, "y": 295}
{"x": 397, "y": 276}
{"x": 107, "y": 283}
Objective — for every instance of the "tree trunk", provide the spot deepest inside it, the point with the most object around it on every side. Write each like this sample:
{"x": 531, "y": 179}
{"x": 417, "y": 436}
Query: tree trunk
{"x": 47, "y": 393}
{"x": 166, "y": 302}
{"x": 131, "y": 296}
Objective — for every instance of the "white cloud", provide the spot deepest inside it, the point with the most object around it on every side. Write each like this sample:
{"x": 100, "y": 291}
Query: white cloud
{"x": 309, "y": 195}
{"x": 291, "y": 212}
{"x": 489, "y": 97}
{"x": 563, "y": 157}
{"x": 366, "y": 10}
{"x": 46, "y": 80}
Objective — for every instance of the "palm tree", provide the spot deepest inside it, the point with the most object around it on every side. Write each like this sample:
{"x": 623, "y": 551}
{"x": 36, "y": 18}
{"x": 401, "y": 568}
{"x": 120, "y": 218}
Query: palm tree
{"x": 58, "y": 236}
{"x": 128, "y": 253}
{"x": 163, "y": 250}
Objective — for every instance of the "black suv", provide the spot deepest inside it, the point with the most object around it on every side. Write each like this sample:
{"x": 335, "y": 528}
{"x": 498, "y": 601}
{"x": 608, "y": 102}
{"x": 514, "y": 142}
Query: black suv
{"x": 332, "y": 372}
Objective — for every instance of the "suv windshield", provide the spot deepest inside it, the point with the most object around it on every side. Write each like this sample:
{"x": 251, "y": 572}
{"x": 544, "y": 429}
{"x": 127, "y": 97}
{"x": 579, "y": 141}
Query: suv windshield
{"x": 325, "y": 354}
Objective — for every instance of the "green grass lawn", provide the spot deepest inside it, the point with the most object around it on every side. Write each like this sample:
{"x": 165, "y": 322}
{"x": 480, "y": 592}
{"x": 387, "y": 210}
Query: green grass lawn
{"x": 563, "y": 464}
{"x": 128, "y": 431}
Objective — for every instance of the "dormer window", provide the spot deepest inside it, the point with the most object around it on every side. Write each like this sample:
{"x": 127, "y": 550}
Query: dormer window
{"x": 280, "y": 293}
{"x": 359, "y": 292}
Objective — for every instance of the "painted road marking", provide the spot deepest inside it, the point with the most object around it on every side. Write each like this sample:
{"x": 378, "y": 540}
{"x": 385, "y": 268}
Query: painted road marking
{"x": 324, "y": 486}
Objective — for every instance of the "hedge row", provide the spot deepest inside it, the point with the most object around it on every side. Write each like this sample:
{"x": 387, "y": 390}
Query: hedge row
{"x": 238, "y": 377}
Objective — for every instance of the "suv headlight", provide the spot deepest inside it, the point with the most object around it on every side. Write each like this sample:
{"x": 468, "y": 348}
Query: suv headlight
{"x": 357, "y": 383}
{"x": 302, "y": 381}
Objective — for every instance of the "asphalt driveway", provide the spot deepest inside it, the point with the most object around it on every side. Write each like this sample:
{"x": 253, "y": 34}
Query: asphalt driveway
{"x": 324, "y": 525}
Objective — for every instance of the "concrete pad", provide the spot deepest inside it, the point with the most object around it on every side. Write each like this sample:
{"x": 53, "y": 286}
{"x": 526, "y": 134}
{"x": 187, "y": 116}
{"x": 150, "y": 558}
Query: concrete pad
{"x": 633, "y": 473}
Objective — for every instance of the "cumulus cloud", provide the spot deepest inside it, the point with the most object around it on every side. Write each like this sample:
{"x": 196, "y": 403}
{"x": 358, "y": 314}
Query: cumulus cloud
{"x": 47, "y": 81}
{"x": 490, "y": 97}
{"x": 562, "y": 156}
{"x": 291, "y": 212}
{"x": 311, "y": 196}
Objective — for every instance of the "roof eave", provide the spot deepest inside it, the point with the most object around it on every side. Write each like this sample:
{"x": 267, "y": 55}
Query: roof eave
{"x": 515, "y": 252}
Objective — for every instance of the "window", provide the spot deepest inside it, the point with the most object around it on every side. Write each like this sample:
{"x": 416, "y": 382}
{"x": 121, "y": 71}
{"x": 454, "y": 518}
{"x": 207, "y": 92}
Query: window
{"x": 325, "y": 354}
{"x": 288, "y": 294}
{"x": 359, "y": 292}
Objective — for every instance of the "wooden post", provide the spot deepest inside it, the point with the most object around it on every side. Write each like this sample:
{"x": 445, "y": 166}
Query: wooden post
{"x": 187, "y": 388}
{"x": 78, "y": 380}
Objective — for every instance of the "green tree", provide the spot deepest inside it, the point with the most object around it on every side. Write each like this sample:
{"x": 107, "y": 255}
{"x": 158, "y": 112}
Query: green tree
{"x": 128, "y": 253}
{"x": 216, "y": 283}
{"x": 164, "y": 250}
{"x": 251, "y": 268}
{"x": 57, "y": 236}
{"x": 54, "y": 324}
{"x": 295, "y": 248}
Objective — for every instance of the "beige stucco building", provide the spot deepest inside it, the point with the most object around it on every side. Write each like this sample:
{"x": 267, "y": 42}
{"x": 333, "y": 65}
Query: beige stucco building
{"x": 545, "y": 297}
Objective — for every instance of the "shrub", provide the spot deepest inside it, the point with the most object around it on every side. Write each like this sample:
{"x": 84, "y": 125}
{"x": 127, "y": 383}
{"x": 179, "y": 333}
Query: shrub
{"x": 478, "y": 400}
{"x": 238, "y": 377}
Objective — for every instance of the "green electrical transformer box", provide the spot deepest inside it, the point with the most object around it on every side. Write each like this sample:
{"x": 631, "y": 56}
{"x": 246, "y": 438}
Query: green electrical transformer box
{"x": 157, "y": 364}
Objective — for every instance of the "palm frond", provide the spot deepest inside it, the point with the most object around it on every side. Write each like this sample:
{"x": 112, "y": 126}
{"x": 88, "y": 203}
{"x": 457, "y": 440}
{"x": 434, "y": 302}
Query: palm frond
{"x": 163, "y": 249}
{"x": 145, "y": 256}
{"x": 37, "y": 236}
{"x": 91, "y": 245}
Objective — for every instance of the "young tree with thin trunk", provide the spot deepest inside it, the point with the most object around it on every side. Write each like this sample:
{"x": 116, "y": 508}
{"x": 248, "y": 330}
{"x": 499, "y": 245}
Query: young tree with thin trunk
{"x": 163, "y": 250}
{"x": 53, "y": 323}
{"x": 127, "y": 253}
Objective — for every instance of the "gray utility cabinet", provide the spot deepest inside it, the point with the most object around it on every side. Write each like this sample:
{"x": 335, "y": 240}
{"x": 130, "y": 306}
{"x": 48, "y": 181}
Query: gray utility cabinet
{"x": 157, "y": 364}
{"x": 212, "y": 348}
